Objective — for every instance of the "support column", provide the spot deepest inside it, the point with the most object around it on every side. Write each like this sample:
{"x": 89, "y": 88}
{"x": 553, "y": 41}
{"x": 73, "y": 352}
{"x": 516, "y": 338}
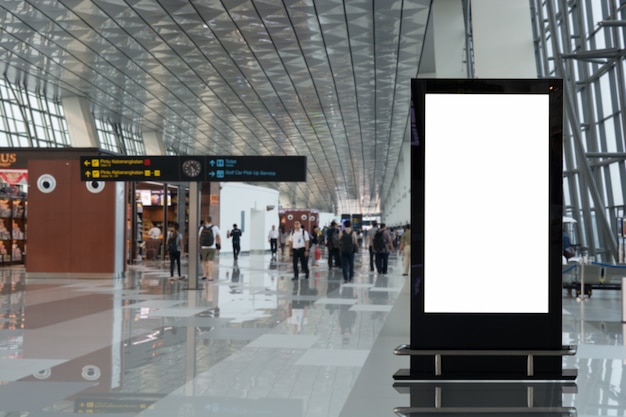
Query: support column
{"x": 503, "y": 39}
{"x": 120, "y": 205}
{"x": 194, "y": 220}
{"x": 153, "y": 142}
{"x": 397, "y": 203}
{"x": 166, "y": 220}
{"x": 181, "y": 208}
{"x": 448, "y": 31}
{"x": 81, "y": 126}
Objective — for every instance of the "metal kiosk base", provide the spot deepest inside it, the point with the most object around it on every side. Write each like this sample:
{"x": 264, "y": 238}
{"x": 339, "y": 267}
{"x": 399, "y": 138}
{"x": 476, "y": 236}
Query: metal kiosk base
{"x": 486, "y": 399}
{"x": 530, "y": 373}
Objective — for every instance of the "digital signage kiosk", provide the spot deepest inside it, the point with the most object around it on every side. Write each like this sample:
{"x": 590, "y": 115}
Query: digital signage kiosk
{"x": 486, "y": 230}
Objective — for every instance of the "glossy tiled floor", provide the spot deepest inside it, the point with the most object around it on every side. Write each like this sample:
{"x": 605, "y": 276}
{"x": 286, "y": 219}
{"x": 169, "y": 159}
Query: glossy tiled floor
{"x": 251, "y": 343}
{"x": 251, "y": 340}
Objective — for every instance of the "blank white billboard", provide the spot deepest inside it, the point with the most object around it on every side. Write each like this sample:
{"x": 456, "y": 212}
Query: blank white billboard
{"x": 486, "y": 207}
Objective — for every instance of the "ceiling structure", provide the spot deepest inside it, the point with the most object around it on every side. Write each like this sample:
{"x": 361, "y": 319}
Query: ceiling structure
{"x": 328, "y": 79}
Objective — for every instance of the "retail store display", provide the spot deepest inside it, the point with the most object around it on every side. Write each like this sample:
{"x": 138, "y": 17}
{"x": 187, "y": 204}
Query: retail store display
{"x": 13, "y": 214}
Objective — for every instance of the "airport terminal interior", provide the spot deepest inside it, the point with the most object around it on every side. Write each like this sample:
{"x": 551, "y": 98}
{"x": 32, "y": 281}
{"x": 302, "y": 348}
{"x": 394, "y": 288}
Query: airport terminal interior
{"x": 328, "y": 80}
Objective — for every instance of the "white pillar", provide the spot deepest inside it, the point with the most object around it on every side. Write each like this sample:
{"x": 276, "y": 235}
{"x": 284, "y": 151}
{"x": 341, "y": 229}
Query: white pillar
{"x": 397, "y": 204}
{"x": 153, "y": 142}
{"x": 503, "y": 39}
{"x": 257, "y": 230}
{"x": 120, "y": 225}
{"x": 449, "y": 39}
{"x": 81, "y": 126}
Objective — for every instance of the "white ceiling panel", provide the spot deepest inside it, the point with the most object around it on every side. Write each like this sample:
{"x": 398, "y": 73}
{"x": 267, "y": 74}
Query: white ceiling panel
{"x": 328, "y": 79}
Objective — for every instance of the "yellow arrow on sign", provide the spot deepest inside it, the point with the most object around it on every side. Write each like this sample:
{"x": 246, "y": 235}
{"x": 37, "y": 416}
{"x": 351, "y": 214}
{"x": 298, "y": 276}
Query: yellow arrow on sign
{"x": 87, "y": 163}
{"x": 88, "y": 174}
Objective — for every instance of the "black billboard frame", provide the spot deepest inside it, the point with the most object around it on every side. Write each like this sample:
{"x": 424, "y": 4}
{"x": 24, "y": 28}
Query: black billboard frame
{"x": 498, "y": 346}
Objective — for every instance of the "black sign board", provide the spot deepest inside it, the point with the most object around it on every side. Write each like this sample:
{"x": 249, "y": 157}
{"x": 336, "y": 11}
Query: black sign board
{"x": 492, "y": 320}
{"x": 194, "y": 168}
{"x": 256, "y": 168}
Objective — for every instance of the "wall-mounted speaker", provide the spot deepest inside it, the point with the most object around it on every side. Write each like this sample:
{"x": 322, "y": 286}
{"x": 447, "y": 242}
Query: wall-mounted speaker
{"x": 91, "y": 372}
{"x": 95, "y": 186}
{"x": 43, "y": 374}
{"x": 46, "y": 183}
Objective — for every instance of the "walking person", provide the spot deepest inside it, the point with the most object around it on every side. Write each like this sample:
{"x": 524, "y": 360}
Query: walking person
{"x": 282, "y": 236}
{"x": 299, "y": 245}
{"x": 235, "y": 234}
{"x": 210, "y": 242}
{"x": 370, "y": 243}
{"x": 405, "y": 248}
{"x": 314, "y": 245}
{"x": 382, "y": 246}
{"x": 349, "y": 246}
{"x": 272, "y": 237}
{"x": 332, "y": 241}
{"x": 175, "y": 249}
{"x": 202, "y": 223}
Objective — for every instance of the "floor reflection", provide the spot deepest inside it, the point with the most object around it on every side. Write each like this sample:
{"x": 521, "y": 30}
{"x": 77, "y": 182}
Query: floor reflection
{"x": 254, "y": 342}
{"x": 251, "y": 340}
{"x": 509, "y": 399}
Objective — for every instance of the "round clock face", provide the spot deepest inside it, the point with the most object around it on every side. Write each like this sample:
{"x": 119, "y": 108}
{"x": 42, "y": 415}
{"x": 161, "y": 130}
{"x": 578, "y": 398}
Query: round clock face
{"x": 192, "y": 168}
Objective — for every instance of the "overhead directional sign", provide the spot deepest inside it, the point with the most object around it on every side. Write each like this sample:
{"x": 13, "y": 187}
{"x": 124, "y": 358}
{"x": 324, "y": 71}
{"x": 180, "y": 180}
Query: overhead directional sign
{"x": 256, "y": 168}
{"x": 194, "y": 168}
{"x": 126, "y": 168}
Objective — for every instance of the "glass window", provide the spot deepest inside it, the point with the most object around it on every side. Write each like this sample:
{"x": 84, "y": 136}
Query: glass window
{"x": 595, "y": 15}
{"x": 617, "y": 185}
{"x": 40, "y": 132}
{"x": 37, "y": 118}
{"x": 598, "y": 118}
{"x": 106, "y": 136}
{"x": 22, "y": 141}
{"x": 120, "y": 138}
{"x": 55, "y": 123}
{"x": 609, "y": 133}
{"x": 25, "y": 120}
{"x": 5, "y": 140}
{"x": 607, "y": 104}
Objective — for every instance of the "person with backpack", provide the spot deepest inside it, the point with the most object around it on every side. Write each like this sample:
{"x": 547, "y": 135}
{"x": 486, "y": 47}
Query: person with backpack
{"x": 299, "y": 244}
{"x": 235, "y": 234}
{"x": 332, "y": 242}
{"x": 382, "y": 246}
{"x": 210, "y": 242}
{"x": 348, "y": 246}
{"x": 175, "y": 249}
